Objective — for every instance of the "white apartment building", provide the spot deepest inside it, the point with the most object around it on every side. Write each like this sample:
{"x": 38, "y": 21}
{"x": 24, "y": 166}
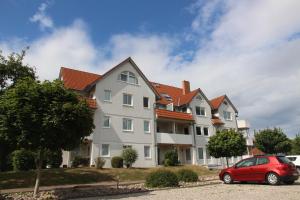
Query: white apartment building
{"x": 131, "y": 111}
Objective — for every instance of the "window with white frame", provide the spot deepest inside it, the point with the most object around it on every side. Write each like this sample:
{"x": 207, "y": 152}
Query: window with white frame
{"x": 227, "y": 115}
{"x": 107, "y": 95}
{"x": 147, "y": 152}
{"x": 127, "y": 124}
{"x": 127, "y": 99}
{"x": 106, "y": 122}
{"x": 200, "y": 111}
{"x": 200, "y": 153}
{"x": 205, "y": 131}
{"x": 146, "y": 102}
{"x": 128, "y": 77}
{"x": 146, "y": 126}
{"x": 198, "y": 130}
{"x": 105, "y": 150}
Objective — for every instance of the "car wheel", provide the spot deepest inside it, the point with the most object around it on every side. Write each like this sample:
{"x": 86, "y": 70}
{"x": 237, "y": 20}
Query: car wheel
{"x": 227, "y": 178}
{"x": 272, "y": 178}
{"x": 289, "y": 182}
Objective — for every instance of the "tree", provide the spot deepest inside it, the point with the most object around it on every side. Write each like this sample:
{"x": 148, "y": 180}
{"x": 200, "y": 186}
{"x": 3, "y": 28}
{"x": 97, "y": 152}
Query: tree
{"x": 12, "y": 69}
{"x": 43, "y": 117}
{"x": 129, "y": 156}
{"x": 296, "y": 145}
{"x": 272, "y": 141}
{"x": 226, "y": 143}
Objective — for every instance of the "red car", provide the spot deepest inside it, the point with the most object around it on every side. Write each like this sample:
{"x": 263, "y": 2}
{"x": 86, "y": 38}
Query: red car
{"x": 269, "y": 169}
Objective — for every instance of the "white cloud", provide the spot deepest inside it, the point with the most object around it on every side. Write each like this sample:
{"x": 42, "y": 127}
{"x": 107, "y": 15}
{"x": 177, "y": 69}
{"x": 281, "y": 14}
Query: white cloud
{"x": 42, "y": 18}
{"x": 251, "y": 55}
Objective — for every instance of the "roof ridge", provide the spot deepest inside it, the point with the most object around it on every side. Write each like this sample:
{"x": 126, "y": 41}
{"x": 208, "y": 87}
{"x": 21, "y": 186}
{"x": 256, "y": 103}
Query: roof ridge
{"x": 80, "y": 71}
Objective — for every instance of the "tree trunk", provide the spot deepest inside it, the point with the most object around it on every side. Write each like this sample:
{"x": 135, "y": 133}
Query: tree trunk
{"x": 39, "y": 163}
{"x": 227, "y": 161}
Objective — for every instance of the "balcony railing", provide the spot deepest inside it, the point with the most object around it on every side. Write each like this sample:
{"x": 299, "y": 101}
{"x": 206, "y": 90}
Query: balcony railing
{"x": 173, "y": 138}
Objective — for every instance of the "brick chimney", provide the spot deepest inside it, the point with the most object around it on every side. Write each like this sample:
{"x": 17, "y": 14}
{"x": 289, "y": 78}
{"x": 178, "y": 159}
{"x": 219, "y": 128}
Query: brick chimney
{"x": 186, "y": 87}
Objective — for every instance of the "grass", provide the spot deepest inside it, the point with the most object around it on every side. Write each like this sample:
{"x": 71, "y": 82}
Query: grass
{"x": 52, "y": 177}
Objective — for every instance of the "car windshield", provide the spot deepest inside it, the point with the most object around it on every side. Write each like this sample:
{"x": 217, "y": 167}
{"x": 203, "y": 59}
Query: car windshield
{"x": 292, "y": 158}
{"x": 283, "y": 159}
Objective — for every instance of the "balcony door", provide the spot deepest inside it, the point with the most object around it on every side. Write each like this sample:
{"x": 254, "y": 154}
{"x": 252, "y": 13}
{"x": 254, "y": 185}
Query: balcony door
{"x": 188, "y": 156}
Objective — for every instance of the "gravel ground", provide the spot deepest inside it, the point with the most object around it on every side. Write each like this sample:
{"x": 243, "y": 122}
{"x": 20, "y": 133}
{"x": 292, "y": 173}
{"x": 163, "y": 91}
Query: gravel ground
{"x": 220, "y": 191}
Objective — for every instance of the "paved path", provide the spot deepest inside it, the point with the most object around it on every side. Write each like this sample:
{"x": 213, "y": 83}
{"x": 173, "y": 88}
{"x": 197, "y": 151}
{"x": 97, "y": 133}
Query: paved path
{"x": 220, "y": 191}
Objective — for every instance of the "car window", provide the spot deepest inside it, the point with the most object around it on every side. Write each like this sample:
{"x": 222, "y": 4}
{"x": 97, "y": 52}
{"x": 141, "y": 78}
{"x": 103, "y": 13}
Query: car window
{"x": 246, "y": 163}
{"x": 283, "y": 159}
{"x": 292, "y": 158}
{"x": 262, "y": 161}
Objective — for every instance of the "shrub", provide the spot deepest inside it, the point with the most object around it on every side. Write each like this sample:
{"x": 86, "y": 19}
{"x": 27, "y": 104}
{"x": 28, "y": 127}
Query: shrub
{"x": 162, "y": 178}
{"x": 129, "y": 156}
{"x": 171, "y": 158}
{"x": 117, "y": 162}
{"x": 54, "y": 159}
{"x": 99, "y": 162}
{"x": 80, "y": 161}
{"x": 187, "y": 175}
{"x": 23, "y": 160}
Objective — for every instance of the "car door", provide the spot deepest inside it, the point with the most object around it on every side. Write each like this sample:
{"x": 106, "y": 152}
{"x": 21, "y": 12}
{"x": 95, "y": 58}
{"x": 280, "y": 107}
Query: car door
{"x": 242, "y": 171}
{"x": 260, "y": 169}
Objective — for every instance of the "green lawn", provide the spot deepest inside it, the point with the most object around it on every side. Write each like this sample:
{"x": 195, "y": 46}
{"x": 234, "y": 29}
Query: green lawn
{"x": 84, "y": 175}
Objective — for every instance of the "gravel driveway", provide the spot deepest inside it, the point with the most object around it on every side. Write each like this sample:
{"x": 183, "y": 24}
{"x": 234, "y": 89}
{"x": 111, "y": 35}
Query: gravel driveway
{"x": 221, "y": 192}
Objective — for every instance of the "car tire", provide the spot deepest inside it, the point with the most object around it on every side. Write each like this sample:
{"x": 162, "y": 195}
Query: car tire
{"x": 289, "y": 182}
{"x": 272, "y": 178}
{"x": 227, "y": 179}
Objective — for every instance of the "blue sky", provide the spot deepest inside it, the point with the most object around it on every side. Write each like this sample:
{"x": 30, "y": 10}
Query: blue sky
{"x": 246, "y": 49}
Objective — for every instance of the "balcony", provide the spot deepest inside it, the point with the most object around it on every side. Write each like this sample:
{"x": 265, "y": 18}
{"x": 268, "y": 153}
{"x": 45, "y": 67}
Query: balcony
{"x": 173, "y": 138}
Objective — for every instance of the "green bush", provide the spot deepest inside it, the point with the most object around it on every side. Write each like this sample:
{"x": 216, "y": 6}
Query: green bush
{"x": 187, "y": 175}
{"x": 80, "y": 161}
{"x": 117, "y": 162}
{"x": 162, "y": 178}
{"x": 129, "y": 156}
{"x": 54, "y": 159}
{"x": 99, "y": 162}
{"x": 171, "y": 158}
{"x": 23, "y": 160}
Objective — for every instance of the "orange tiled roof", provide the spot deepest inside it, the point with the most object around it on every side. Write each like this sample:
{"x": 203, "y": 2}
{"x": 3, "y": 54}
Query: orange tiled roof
{"x": 92, "y": 103}
{"x": 256, "y": 151}
{"x": 77, "y": 80}
{"x": 216, "y": 121}
{"x": 173, "y": 115}
{"x": 216, "y": 102}
{"x": 175, "y": 93}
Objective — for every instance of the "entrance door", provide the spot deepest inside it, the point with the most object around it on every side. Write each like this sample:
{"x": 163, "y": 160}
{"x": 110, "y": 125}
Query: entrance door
{"x": 188, "y": 156}
{"x": 158, "y": 155}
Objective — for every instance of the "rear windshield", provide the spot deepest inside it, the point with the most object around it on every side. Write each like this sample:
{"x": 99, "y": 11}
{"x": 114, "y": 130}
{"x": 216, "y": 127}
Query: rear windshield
{"x": 292, "y": 158}
{"x": 283, "y": 159}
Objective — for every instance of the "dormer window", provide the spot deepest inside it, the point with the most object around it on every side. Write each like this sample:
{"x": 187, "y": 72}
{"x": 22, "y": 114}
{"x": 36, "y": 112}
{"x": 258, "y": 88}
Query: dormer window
{"x": 167, "y": 97}
{"x": 128, "y": 77}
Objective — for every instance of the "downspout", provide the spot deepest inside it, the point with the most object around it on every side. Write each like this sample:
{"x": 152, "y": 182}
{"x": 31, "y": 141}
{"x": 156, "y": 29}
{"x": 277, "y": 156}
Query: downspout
{"x": 154, "y": 135}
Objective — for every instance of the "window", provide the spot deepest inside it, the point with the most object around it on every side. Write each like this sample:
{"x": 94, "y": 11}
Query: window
{"x": 147, "y": 126}
{"x": 127, "y": 124}
{"x": 205, "y": 131}
{"x": 200, "y": 153}
{"x": 262, "y": 161}
{"x": 107, "y": 95}
{"x": 246, "y": 163}
{"x": 283, "y": 159}
{"x": 166, "y": 96}
{"x": 200, "y": 111}
{"x": 105, "y": 150}
{"x": 227, "y": 115}
{"x": 147, "y": 153}
{"x": 198, "y": 130}
{"x": 199, "y": 97}
{"x": 127, "y": 99}
{"x": 292, "y": 158}
{"x": 106, "y": 122}
{"x": 128, "y": 77}
{"x": 146, "y": 102}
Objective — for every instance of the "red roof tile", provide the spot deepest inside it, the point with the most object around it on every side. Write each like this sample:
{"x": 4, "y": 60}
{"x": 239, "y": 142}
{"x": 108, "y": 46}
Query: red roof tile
{"x": 216, "y": 121}
{"x": 216, "y": 102}
{"x": 256, "y": 151}
{"x": 77, "y": 80}
{"x": 92, "y": 103}
{"x": 173, "y": 115}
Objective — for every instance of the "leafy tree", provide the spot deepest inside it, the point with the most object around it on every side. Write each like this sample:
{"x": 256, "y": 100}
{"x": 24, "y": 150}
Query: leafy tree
{"x": 272, "y": 141}
{"x": 226, "y": 143}
{"x": 296, "y": 145}
{"x": 43, "y": 117}
{"x": 171, "y": 158}
{"x": 129, "y": 156}
{"x": 12, "y": 69}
